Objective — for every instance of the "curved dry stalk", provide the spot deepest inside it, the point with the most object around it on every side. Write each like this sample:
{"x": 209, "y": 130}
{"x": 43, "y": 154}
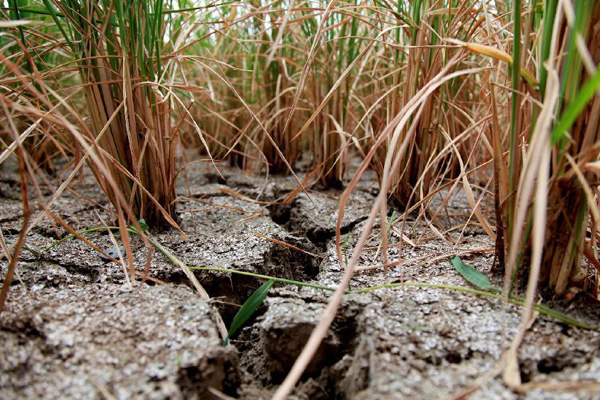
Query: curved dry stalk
{"x": 330, "y": 311}
{"x": 12, "y": 265}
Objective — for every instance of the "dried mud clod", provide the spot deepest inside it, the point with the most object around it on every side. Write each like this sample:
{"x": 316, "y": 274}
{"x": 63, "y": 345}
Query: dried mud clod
{"x": 150, "y": 342}
{"x": 315, "y": 215}
{"x": 270, "y": 347}
{"x": 236, "y": 235}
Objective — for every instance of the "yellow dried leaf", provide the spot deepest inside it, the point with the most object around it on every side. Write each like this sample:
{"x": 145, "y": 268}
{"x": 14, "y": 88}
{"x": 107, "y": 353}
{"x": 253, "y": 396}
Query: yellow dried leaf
{"x": 496, "y": 54}
{"x": 489, "y": 51}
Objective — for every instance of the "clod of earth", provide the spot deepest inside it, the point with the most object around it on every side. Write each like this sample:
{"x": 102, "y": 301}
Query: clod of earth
{"x": 146, "y": 342}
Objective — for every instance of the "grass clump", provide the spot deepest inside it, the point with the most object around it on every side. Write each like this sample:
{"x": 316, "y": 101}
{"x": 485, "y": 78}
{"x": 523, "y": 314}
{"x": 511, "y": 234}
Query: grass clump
{"x": 118, "y": 48}
{"x": 121, "y": 94}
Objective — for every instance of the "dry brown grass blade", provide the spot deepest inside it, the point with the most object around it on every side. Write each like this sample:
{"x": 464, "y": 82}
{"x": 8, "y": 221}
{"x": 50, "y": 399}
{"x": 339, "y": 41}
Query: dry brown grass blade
{"x": 496, "y": 54}
{"x": 284, "y": 244}
{"x": 277, "y": 41}
{"x": 103, "y": 390}
{"x": 10, "y": 271}
{"x": 27, "y": 132}
{"x": 575, "y": 386}
{"x": 591, "y": 200}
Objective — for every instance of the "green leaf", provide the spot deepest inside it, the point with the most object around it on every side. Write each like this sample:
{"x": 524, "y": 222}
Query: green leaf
{"x": 472, "y": 275}
{"x": 575, "y": 108}
{"x": 248, "y": 308}
{"x": 390, "y": 222}
{"x": 55, "y": 14}
{"x": 143, "y": 225}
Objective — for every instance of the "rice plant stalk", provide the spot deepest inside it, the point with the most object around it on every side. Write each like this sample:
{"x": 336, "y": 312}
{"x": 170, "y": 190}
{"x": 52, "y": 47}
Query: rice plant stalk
{"x": 118, "y": 49}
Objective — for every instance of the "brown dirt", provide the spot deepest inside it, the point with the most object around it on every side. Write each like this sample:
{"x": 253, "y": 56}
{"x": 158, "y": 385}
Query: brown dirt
{"x": 73, "y": 328}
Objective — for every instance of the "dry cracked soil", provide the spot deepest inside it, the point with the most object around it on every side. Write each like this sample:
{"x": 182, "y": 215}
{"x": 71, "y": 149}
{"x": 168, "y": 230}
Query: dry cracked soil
{"x": 73, "y": 328}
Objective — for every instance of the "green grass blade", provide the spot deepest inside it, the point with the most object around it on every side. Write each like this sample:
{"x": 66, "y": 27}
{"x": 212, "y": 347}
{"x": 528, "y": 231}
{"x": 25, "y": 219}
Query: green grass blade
{"x": 515, "y": 108}
{"x": 575, "y": 108}
{"x": 141, "y": 223}
{"x": 54, "y": 14}
{"x": 248, "y": 308}
{"x": 549, "y": 15}
{"x": 16, "y": 15}
{"x": 266, "y": 277}
{"x": 475, "y": 277}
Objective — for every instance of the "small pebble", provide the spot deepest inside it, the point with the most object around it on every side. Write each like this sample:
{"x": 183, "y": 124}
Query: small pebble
{"x": 112, "y": 252}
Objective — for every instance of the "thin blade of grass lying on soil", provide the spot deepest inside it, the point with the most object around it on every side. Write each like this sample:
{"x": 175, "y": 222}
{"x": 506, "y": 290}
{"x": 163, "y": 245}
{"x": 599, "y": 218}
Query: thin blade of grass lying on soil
{"x": 141, "y": 223}
{"x": 514, "y": 300}
{"x": 266, "y": 277}
{"x": 518, "y": 301}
